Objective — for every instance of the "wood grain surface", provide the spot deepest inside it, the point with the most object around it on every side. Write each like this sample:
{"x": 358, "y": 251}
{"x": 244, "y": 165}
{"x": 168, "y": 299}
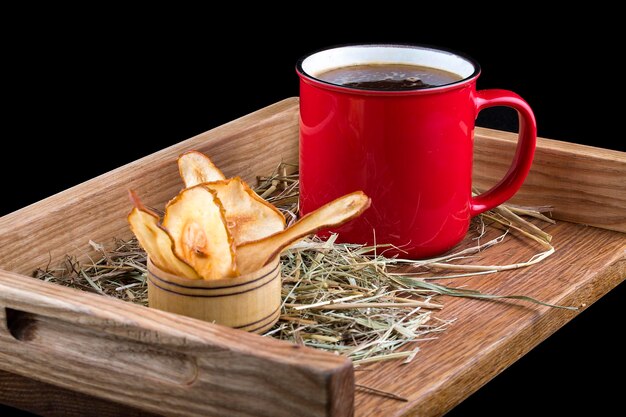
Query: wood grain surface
{"x": 49, "y": 400}
{"x": 488, "y": 336}
{"x": 161, "y": 362}
{"x": 173, "y": 365}
{"x": 584, "y": 184}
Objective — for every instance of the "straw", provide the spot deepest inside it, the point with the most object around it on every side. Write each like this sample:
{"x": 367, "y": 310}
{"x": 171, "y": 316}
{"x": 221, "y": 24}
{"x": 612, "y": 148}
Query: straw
{"x": 345, "y": 298}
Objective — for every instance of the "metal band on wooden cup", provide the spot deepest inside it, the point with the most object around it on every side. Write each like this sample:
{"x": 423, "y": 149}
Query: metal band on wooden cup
{"x": 249, "y": 302}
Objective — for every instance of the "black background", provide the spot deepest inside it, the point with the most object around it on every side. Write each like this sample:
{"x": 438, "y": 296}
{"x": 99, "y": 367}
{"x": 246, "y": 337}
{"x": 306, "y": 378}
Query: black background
{"x": 82, "y": 97}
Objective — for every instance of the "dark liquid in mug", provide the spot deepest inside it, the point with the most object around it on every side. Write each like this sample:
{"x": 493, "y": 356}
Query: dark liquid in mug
{"x": 388, "y": 77}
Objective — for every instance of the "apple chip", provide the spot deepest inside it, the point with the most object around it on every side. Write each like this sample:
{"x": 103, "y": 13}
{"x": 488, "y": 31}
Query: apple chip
{"x": 195, "y": 168}
{"x": 248, "y": 216}
{"x": 156, "y": 241}
{"x": 195, "y": 220}
{"x": 253, "y": 255}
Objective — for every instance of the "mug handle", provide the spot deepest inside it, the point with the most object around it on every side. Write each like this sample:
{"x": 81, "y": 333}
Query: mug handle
{"x": 524, "y": 153}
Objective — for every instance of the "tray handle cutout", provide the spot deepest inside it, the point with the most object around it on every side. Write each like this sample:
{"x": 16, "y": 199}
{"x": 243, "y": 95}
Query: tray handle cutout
{"x": 93, "y": 348}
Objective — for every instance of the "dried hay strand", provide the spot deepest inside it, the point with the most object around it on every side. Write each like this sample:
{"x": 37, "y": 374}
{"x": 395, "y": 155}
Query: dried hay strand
{"x": 344, "y": 298}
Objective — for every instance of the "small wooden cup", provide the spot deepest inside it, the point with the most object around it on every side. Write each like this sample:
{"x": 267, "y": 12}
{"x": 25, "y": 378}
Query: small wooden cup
{"x": 249, "y": 302}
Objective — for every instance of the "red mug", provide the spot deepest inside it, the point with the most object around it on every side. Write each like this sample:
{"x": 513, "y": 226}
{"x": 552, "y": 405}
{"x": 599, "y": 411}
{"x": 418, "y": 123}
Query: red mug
{"x": 409, "y": 150}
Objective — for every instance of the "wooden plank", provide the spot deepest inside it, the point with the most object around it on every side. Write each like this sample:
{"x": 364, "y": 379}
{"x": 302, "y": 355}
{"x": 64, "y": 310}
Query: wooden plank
{"x": 51, "y": 401}
{"x": 489, "y": 336}
{"x": 46, "y": 231}
{"x": 585, "y": 185}
{"x": 162, "y": 362}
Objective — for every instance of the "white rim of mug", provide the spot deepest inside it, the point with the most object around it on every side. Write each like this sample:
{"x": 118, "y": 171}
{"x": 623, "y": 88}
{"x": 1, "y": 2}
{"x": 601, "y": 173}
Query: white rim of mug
{"x": 469, "y": 74}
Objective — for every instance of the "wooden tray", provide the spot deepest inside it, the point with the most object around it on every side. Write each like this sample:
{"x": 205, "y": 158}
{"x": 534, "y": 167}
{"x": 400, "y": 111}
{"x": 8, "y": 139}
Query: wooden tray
{"x": 67, "y": 352}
